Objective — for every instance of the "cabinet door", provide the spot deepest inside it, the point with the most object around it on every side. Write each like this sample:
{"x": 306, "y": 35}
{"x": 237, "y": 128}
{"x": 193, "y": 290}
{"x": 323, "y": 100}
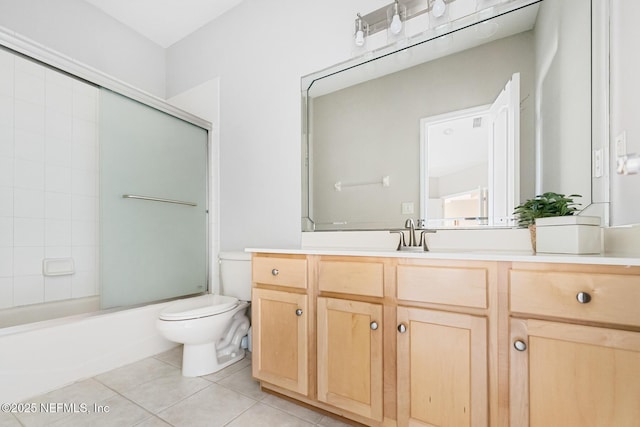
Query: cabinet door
{"x": 280, "y": 330}
{"x": 442, "y": 369}
{"x": 572, "y": 375}
{"x": 350, "y": 356}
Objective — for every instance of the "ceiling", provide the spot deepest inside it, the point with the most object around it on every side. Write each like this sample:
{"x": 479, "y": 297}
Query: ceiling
{"x": 457, "y": 144}
{"x": 164, "y": 21}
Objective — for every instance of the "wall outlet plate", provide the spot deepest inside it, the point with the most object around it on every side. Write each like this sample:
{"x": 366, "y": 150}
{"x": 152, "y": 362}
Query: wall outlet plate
{"x": 407, "y": 208}
{"x": 598, "y": 163}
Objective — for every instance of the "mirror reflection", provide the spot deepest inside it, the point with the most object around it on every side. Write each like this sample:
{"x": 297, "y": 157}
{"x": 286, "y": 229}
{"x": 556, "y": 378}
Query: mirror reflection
{"x": 387, "y": 139}
{"x": 469, "y": 163}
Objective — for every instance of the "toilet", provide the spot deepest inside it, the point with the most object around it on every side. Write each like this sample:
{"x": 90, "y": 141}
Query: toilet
{"x": 212, "y": 326}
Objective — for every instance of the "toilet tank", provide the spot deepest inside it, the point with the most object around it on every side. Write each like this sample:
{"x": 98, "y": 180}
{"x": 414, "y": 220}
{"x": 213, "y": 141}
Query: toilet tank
{"x": 235, "y": 275}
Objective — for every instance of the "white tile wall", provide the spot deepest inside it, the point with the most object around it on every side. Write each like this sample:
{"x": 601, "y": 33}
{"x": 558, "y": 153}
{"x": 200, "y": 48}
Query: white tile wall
{"x": 48, "y": 182}
{"x": 28, "y": 232}
{"x": 6, "y": 262}
{"x": 6, "y": 291}
{"x": 6, "y": 232}
{"x": 28, "y": 290}
{"x": 57, "y": 288}
{"x": 28, "y": 116}
{"x": 6, "y": 73}
{"x": 6, "y": 201}
{"x": 6, "y": 171}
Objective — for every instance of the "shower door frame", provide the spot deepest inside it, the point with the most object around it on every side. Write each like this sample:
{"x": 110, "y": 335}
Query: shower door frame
{"x": 60, "y": 62}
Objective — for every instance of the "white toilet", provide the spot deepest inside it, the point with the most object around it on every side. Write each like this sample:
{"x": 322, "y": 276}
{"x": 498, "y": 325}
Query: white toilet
{"x": 211, "y": 327}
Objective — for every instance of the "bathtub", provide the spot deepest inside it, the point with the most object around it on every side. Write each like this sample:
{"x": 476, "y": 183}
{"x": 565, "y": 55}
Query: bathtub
{"x": 43, "y": 356}
{"x": 47, "y": 311}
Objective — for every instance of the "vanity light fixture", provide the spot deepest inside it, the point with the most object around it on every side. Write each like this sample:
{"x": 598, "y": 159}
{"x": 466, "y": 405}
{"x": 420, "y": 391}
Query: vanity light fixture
{"x": 438, "y": 8}
{"x": 394, "y": 16}
{"x": 361, "y": 29}
{"x": 395, "y": 24}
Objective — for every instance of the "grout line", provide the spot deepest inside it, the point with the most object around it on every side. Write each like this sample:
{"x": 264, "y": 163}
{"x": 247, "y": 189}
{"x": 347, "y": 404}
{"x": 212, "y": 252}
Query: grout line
{"x": 241, "y": 413}
{"x": 292, "y": 414}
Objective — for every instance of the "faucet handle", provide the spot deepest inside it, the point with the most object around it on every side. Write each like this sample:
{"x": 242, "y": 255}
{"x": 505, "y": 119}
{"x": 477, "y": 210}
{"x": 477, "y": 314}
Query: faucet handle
{"x": 421, "y": 223}
{"x": 423, "y": 239}
{"x": 401, "y": 242}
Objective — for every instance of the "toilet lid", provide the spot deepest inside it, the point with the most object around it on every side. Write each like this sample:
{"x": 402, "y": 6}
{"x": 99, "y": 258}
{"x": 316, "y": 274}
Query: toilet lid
{"x": 202, "y": 306}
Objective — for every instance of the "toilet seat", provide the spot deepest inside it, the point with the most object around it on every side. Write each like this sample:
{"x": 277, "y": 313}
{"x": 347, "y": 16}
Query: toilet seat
{"x": 202, "y": 306}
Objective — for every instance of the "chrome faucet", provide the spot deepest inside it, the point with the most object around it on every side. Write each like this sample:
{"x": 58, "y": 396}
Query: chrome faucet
{"x": 414, "y": 244}
{"x": 412, "y": 231}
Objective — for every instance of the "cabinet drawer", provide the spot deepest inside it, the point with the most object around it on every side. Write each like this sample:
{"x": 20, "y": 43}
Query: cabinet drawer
{"x": 612, "y": 298}
{"x": 290, "y": 272}
{"x": 465, "y": 287}
{"x": 359, "y": 278}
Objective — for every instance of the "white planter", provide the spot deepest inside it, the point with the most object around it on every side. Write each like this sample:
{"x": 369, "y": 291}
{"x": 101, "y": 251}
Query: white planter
{"x": 568, "y": 235}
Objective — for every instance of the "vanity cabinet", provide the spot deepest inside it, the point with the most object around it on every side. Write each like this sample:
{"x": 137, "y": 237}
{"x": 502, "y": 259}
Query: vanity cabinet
{"x": 402, "y": 341}
{"x": 280, "y": 322}
{"x": 575, "y": 346}
{"x": 442, "y": 369}
{"x": 442, "y": 353}
{"x": 350, "y": 335}
{"x": 350, "y": 356}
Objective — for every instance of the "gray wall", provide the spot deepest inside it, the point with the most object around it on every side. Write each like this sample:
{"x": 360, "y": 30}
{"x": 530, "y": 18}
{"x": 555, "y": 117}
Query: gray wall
{"x": 564, "y": 135}
{"x": 625, "y": 107}
{"x": 373, "y": 129}
{"x": 84, "y": 33}
{"x": 259, "y": 50}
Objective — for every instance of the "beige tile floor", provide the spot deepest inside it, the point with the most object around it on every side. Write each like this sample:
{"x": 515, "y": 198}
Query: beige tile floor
{"x": 153, "y": 393}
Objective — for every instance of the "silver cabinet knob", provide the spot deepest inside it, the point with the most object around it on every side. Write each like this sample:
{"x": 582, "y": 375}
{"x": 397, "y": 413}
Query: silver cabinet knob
{"x": 583, "y": 297}
{"x": 520, "y": 345}
{"x": 299, "y": 312}
{"x": 402, "y": 328}
{"x": 374, "y": 326}
{"x": 275, "y": 272}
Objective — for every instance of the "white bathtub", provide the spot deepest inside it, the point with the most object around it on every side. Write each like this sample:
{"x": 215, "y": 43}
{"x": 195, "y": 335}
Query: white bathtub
{"x": 43, "y": 356}
{"x": 47, "y": 311}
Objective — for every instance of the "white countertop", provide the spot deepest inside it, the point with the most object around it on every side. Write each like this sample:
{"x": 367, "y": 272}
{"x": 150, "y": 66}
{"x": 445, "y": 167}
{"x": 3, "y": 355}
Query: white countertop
{"x": 473, "y": 255}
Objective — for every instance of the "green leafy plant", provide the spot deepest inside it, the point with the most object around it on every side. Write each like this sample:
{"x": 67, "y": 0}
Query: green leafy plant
{"x": 545, "y": 205}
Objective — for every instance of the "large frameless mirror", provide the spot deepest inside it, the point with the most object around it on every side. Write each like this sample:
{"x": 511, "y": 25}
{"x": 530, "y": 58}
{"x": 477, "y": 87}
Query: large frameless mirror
{"x": 454, "y": 127}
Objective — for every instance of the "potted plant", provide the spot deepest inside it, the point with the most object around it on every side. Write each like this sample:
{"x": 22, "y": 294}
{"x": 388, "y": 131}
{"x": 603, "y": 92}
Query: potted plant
{"x": 543, "y": 206}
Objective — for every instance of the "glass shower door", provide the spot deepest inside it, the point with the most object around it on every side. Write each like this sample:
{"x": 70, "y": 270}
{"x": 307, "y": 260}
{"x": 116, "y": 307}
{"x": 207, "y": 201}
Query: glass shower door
{"x": 153, "y": 204}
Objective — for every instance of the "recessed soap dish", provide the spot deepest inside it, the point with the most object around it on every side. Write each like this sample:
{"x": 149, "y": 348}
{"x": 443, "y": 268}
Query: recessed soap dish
{"x": 57, "y": 266}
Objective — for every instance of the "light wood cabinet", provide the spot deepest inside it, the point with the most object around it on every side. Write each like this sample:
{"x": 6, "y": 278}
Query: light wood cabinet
{"x": 350, "y": 356}
{"x": 461, "y": 286}
{"x": 442, "y": 369}
{"x": 565, "y": 375}
{"x": 397, "y": 342}
{"x": 351, "y": 277}
{"x": 574, "y": 346}
{"x": 280, "y": 321}
{"x": 280, "y": 271}
{"x": 280, "y": 338}
{"x": 612, "y": 298}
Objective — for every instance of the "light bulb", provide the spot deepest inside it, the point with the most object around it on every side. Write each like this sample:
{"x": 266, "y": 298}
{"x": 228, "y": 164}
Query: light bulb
{"x": 438, "y": 8}
{"x": 396, "y": 24}
{"x": 359, "y": 38}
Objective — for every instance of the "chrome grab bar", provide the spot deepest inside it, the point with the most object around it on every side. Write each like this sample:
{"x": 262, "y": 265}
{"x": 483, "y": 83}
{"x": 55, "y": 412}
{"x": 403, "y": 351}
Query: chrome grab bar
{"x": 157, "y": 199}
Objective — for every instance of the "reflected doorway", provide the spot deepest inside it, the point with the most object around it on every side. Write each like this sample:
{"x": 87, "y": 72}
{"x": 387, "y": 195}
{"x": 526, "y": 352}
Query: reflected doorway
{"x": 469, "y": 163}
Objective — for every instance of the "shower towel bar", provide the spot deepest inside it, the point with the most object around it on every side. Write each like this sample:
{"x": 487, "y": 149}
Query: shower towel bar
{"x": 338, "y": 186}
{"x": 157, "y": 199}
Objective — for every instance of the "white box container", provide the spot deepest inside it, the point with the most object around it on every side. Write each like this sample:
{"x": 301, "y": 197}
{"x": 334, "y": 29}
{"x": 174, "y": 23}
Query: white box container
{"x": 568, "y": 235}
